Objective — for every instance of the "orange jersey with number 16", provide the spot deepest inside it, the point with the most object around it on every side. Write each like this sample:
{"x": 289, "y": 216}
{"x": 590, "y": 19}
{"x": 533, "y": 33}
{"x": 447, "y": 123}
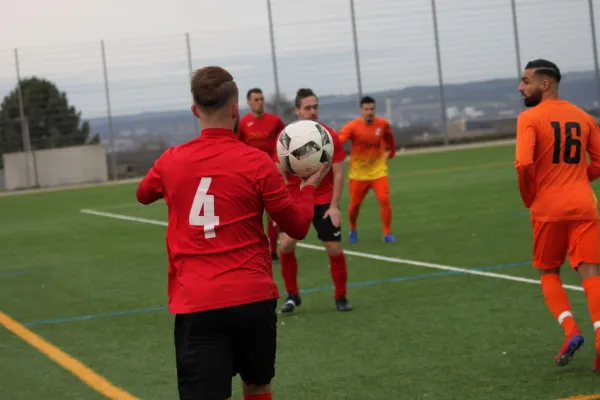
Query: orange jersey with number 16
{"x": 368, "y": 156}
{"x": 554, "y": 176}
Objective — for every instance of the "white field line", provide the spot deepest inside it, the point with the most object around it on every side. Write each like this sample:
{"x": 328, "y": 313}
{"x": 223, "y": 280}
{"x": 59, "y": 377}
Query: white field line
{"x": 355, "y": 253}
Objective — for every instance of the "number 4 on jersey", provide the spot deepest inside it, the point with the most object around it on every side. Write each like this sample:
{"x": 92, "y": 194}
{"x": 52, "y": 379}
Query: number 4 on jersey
{"x": 204, "y": 202}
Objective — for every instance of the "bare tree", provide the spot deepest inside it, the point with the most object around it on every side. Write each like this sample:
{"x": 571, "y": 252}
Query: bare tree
{"x": 282, "y": 106}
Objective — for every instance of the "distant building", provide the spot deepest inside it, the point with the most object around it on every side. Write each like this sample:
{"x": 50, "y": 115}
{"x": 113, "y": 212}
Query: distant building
{"x": 499, "y": 125}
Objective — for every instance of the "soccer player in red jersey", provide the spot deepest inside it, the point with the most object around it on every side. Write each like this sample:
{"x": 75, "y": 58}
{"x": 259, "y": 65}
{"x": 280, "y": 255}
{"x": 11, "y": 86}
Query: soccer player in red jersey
{"x": 220, "y": 281}
{"x": 553, "y": 139}
{"x": 327, "y": 220}
{"x": 260, "y": 129}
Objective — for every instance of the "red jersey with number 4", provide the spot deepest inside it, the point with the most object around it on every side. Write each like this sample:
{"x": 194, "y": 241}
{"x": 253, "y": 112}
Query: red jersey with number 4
{"x": 552, "y": 141}
{"x": 216, "y": 189}
{"x": 260, "y": 132}
{"x": 324, "y": 192}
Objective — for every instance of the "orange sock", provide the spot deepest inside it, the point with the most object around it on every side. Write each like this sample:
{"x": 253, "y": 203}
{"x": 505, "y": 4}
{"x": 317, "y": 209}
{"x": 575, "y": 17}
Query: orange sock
{"x": 591, "y": 286}
{"x": 558, "y": 302}
{"x": 353, "y": 211}
{"x": 385, "y": 212}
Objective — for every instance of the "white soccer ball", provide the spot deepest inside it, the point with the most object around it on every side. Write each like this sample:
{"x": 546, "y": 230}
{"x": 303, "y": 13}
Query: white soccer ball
{"x": 302, "y": 147}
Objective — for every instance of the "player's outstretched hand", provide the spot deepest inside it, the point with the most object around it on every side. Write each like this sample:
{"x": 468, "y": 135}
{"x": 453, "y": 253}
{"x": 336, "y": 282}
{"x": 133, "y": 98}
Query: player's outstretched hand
{"x": 316, "y": 178}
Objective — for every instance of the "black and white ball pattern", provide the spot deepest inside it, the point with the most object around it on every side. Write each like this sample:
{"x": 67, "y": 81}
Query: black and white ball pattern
{"x": 302, "y": 147}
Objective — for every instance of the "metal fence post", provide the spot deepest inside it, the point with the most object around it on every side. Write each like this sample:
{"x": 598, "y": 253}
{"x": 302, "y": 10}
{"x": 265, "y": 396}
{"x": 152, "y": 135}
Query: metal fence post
{"x": 111, "y": 133}
{"x": 439, "y": 68}
{"x": 516, "y": 36}
{"x": 356, "y": 55}
{"x": 513, "y": 7}
{"x": 26, "y": 137}
{"x": 274, "y": 58}
{"x": 188, "y": 45}
{"x": 595, "y": 49}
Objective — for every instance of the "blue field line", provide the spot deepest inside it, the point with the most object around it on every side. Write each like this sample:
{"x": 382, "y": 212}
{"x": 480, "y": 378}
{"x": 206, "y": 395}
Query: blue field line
{"x": 12, "y": 273}
{"x": 312, "y": 290}
{"x": 94, "y": 316}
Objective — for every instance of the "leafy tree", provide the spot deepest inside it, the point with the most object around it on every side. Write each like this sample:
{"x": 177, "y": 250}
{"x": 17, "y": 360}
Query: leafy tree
{"x": 52, "y": 121}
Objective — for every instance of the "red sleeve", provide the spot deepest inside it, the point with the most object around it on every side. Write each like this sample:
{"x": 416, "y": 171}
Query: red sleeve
{"x": 293, "y": 217}
{"x": 593, "y": 149}
{"x": 524, "y": 162}
{"x": 150, "y": 188}
{"x": 339, "y": 154}
{"x": 388, "y": 137}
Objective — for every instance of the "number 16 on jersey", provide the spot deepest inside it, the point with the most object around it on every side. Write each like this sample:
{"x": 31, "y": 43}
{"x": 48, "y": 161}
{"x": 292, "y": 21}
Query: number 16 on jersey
{"x": 204, "y": 202}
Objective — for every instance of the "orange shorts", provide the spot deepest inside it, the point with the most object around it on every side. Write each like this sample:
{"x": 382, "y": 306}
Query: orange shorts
{"x": 552, "y": 241}
{"x": 359, "y": 189}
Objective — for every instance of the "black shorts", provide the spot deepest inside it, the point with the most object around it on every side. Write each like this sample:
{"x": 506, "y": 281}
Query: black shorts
{"x": 326, "y": 232}
{"x": 212, "y": 346}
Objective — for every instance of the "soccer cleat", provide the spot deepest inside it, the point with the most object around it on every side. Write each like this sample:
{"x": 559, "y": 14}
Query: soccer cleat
{"x": 571, "y": 344}
{"x": 291, "y": 303}
{"x": 389, "y": 238}
{"x": 274, "y": 258}
{"x": 353, "y": 236}
{"x": 342, "y": 304}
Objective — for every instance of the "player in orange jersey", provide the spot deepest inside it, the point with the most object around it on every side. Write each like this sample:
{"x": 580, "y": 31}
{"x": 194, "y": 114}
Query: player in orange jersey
{"x": 369, "y": 135}
{"x": 553, "y": 137}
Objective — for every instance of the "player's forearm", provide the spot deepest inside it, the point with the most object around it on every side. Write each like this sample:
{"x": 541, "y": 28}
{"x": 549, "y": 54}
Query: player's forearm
{"x": 338, "y": 184}
{"x": 145, "y": 194}
{"x": 295, "y": 219}
{"x": 526, "y": 181}
{"x": 593, "y": 172}
{"x": 391, "y": 146}
{"x": 282, "y": 171}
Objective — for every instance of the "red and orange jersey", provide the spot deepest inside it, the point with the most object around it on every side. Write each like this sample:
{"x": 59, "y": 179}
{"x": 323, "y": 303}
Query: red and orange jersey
{"x": 554, "y": 176}
{"x": 260, "y": 133}
{"x": 368, "y": 156}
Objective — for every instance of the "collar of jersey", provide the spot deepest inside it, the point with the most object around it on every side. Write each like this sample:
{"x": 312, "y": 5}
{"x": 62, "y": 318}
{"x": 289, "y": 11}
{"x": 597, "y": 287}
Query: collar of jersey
{"x": 217, "y": 132}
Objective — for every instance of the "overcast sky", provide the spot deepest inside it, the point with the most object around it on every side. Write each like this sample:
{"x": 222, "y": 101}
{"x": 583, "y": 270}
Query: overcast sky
{"x": 147, "y": 56}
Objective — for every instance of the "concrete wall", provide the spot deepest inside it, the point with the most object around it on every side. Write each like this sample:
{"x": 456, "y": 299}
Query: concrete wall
{"x": 55, "y": 167}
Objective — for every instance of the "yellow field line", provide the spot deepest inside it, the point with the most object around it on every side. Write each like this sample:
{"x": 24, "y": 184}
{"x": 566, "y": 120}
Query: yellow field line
{"x": 455, "y": 169}
{"x": 92, "y": 379}
{"x": 584, "y": 397}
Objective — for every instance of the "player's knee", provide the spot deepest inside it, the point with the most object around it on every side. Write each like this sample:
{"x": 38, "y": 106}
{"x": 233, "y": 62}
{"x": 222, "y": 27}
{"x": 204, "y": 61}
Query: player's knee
{"x": 333, "y": 249}
{"x": 549, "y": 270}
{"x": 384, "y": 201}
{"x": 586, "y": 270}
{"x": 354, "y": 205}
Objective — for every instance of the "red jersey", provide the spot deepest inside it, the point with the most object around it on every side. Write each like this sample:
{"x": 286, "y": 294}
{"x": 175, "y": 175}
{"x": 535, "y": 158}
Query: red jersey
{"x": 260, "y": 132}
{"x": 324, "y": 192}
{"x": 216, "y": 189}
